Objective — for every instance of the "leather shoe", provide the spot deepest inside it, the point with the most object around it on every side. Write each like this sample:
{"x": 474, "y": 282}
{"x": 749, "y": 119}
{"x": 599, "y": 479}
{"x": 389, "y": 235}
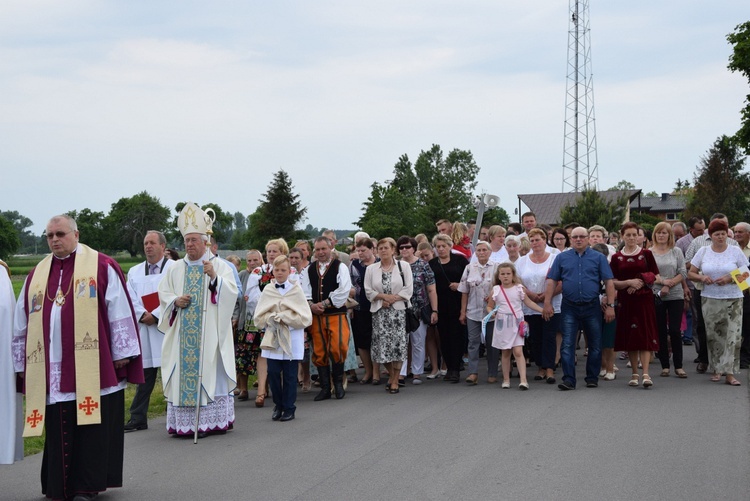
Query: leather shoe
{"x": 132, "y": 426}
{"x": 85, "y": 496}
{"x": 287, "y": 416}
{"x": 276, "y": 413}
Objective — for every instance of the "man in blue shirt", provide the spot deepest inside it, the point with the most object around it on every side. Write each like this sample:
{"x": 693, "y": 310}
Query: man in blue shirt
{"x": 581, "y": 270}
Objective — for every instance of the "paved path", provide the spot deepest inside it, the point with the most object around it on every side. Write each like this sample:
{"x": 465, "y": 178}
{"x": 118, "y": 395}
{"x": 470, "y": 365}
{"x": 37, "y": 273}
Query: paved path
{"x": 683, "y": 439}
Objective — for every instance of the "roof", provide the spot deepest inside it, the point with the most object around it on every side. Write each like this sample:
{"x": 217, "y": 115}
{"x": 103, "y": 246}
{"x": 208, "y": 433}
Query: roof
{"x": 547, "y": 206}
{"x": 664, "y": 203}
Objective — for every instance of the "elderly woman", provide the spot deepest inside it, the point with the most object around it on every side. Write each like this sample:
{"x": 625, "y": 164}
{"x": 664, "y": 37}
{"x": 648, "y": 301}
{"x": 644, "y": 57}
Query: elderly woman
{"x": 361, "y": 315}
{"x": 246, "y": 331}
{"x": 635, "y": 270}
{"x": 669, "y": 290}
{"x": 423, "y": 301}
{"x": 560, "y": 239}
{"x": 475, "y": 288}
{"x": 496, "y": 239}
{"x": 721, "y": 301}
{"x": 532, "y": 270}
{"x": 256, "y": 282}
{"x": 448, "y": 269}
{"x": 389, "y": 287}
{"x": 513, "y": 248}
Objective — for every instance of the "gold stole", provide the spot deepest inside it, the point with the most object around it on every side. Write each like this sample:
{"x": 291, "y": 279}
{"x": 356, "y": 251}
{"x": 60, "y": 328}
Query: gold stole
{"x": 86, "y": 338}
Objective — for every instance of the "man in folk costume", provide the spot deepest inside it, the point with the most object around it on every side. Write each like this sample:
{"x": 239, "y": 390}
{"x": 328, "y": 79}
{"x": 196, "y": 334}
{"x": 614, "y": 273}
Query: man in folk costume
{"x": 76, "y": 353}
{"x": 11, "y": 409}
{"x": 197, "y": 296}
{"x": 326, "y": 291}
{"x": 143, "y": 281}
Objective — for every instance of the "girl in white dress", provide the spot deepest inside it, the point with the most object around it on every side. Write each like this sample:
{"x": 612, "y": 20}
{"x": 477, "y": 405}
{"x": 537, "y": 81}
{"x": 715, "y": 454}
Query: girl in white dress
{"x": 509, "y": 296}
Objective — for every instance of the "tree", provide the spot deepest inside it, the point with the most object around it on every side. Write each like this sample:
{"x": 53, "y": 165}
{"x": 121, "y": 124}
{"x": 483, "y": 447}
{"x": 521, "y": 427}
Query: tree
{"x": 739, "y": 61}
{"x": 9, "y": 241}
{"x": 29, "y": 241}
{"x": 278, "y": 215}
{"x": 720, "y": 185}
{"x": 435, "y": 187}
{"x": 591, "y": 209}
{"x": 91, "y": 228}
{"x": 622, "y": 185}
{"x": 130, "y": 219}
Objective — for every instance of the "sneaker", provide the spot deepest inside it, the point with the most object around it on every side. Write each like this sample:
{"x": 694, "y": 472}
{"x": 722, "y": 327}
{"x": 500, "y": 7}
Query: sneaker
{"x": 592, "y": 384}
{"x": 565, "y": 386}
{"x": 602, "y": 373}
{"x": 610, "y": 376}
{"x": 416, "y": 380}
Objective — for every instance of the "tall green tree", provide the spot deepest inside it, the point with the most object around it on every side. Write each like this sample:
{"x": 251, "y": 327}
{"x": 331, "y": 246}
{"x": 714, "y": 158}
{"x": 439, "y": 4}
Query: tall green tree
{"x": 9, "y": 241}
{"x": 91, "y": 228}
{"x": 720, "y": 184}
{"x": 129, "y": 220}
{"x": 622, "y": 185}
{"x": 29, "y": 241}
{"x": 591, "y": 209}
{"x": 279, "y": 214}
{"x": 739, "y": 62}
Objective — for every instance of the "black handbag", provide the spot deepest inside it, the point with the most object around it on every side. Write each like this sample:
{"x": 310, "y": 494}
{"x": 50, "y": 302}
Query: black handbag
{"x": 412, "y": 320}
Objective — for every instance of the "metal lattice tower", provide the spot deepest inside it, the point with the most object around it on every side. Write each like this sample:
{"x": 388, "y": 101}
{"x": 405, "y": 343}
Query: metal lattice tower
{"x": 580, "y": 162}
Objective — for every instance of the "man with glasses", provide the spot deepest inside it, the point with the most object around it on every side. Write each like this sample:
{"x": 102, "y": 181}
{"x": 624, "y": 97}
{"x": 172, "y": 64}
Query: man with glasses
{"x": 581, "y": 272}
{"x": 76, "y": 345}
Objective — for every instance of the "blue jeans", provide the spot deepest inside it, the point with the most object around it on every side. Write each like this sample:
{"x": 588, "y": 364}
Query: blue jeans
{"x": 573, "y": 317}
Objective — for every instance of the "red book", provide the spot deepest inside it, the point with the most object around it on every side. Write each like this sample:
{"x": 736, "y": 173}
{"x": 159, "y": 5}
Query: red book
{"x": 150, "y": 301}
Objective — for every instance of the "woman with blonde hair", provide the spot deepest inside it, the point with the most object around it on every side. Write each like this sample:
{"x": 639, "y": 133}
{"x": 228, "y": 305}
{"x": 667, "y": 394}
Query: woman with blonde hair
{"x": 461, "y": 239}
{"x": 668, "y": 289}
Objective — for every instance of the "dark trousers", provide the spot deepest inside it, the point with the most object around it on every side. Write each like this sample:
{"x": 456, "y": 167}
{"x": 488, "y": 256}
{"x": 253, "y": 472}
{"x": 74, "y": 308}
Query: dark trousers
{"x": 452, "y": 344}
{"x": 541, "y": 341}
{"x": 282, "y": 378}
{"x": 745, "y": 347}
{"x": 700, "y": 330}
{"x": 670, "y": 312}
{"x": 139, "y": 407}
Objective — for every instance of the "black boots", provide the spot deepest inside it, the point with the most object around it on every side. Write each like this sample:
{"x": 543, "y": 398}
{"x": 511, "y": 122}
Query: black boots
{"x": 324, "y": 378}
{"x": 338, "y": 381}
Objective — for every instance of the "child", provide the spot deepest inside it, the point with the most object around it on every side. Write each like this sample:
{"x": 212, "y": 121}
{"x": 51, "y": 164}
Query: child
{"x": 508, "y": 294}
{"x": 283, "y": 311}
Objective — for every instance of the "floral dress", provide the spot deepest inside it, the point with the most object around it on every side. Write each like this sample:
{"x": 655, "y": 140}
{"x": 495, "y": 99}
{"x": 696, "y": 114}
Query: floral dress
{"x": 389, "y": 339}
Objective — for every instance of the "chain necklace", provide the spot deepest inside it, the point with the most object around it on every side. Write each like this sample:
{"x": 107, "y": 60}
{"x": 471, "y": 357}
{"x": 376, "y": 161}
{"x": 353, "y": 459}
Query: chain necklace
{"x": 59, "y": 299}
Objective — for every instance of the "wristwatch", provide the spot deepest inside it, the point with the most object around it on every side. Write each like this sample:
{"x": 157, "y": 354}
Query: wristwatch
{"x": 611, "y": 305}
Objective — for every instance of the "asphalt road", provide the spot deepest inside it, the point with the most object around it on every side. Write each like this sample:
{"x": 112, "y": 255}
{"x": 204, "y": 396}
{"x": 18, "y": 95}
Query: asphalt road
{"x": 683, "y": 439}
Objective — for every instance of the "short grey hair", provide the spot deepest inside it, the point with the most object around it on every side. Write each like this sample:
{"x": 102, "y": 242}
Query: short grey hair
{"x": 71, "y": 222}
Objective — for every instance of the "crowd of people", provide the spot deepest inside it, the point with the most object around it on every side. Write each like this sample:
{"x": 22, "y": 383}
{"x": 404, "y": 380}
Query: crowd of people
{"x": 388, "y": 311}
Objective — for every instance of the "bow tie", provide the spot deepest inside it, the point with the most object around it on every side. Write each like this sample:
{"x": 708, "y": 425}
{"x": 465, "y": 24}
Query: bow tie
{"x": 279, "y": 286}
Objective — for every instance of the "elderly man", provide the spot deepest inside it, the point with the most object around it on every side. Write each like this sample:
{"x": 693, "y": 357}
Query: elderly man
{"x": 143, "y": 281}
{"x": 341, "y": 256}
{"x": 581, "y": 272}
{"x": 679, "y": 229}
{"x": 742, "y": 235}
{"x": 76, "y": 345}
{"x": 197, "y": 297}
{"x": 326, "y": 290}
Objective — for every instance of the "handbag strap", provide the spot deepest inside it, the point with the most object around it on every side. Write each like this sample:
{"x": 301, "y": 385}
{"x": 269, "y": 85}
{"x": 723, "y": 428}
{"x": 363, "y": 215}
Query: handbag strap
{"x": 403, "y": 281}
{"x": 508, "y": 301}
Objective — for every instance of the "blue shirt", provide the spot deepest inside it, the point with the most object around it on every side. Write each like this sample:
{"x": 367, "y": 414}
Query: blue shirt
{"x": 581, "y": 274}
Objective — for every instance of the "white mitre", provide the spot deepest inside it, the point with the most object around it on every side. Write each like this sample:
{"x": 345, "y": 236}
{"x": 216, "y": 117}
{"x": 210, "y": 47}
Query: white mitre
{"x": 193, "y": 219}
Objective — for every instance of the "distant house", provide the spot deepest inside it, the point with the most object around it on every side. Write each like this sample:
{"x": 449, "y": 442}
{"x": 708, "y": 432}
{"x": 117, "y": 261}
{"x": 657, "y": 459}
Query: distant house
{"x": 667, "y": 207}
{"x": 547, "y": 206}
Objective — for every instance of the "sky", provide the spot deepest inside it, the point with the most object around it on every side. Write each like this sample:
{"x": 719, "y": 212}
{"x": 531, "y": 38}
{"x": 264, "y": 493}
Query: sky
{"x": 205, "y": 101}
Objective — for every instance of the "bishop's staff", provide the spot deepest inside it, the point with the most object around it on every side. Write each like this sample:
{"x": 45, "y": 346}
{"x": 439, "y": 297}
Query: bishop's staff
{"x": 206, "y": 293}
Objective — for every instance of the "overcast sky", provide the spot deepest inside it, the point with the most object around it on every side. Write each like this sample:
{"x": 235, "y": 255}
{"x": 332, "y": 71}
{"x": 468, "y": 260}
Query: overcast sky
{"x": 204, "y": 101}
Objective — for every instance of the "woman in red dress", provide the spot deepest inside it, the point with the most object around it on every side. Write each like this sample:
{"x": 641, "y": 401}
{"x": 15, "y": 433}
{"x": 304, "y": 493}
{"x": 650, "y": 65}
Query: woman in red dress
{"x": 635, "y": 270}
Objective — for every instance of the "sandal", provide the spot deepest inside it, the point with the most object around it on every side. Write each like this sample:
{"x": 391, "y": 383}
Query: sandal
{"x": 366, "y": 380}
{"x": 647, "y": 383}
{"x": 260, "y": 400}
{"x": 733, "y": 382}
{"x": 716, "y": 378}
{"x": 665, "y": 373}
{"x": 681, "y": 373}
{"x": 635, "y": 380}
{"x": 243, "y": 396}
{"x": 472, "y": 379}
{"x": 375, "y": 382}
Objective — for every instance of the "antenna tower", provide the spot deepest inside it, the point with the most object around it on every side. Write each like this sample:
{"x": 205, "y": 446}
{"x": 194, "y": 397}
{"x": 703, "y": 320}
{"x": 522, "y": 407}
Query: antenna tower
{"x": 580, "y": 162}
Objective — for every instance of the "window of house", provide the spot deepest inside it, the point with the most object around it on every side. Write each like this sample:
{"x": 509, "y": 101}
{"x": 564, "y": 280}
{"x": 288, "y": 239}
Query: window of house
{"x": 671, "y": 216}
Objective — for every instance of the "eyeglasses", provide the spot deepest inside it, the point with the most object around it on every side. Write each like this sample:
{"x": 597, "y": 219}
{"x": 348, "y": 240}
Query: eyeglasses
{"x": 58, "y": 234}
{"x": 405, "y": 247}
{"x": 578, "y": 236}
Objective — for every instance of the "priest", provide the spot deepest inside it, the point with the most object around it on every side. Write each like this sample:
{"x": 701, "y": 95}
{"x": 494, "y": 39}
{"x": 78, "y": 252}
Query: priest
{"x": 197, "y": 296}
{"x": 11, "y": 410}
{"x": 76, "y": 347}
